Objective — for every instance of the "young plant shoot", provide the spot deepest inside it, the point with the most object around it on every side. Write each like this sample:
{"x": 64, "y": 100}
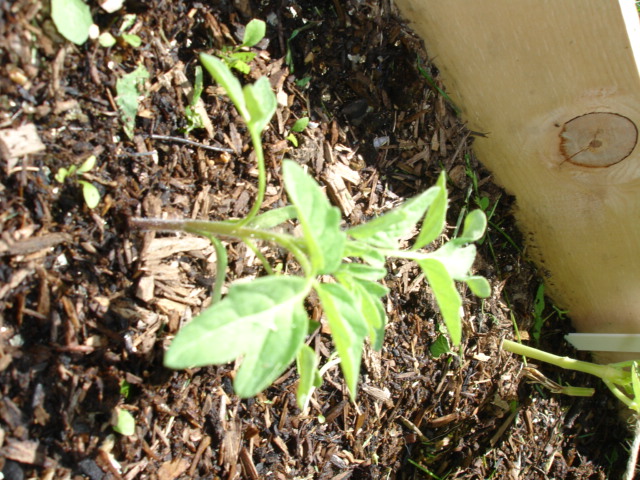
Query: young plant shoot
{"x": 90, "y": 192}
{"x": 264, "y": 321}
{"x": 621, "y": 378}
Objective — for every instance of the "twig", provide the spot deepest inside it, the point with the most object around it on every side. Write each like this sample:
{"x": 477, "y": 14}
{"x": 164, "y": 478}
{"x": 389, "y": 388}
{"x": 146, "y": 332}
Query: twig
{"x": 137, "y": 154}
{"x": 186, "y": 141}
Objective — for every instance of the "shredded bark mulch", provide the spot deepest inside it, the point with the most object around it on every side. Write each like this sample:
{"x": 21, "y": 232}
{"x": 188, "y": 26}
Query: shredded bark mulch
{"x": 88, "y": 306}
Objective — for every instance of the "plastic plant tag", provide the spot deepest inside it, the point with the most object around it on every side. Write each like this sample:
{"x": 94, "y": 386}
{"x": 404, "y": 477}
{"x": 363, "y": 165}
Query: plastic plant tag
{"x": 605, "y": 342}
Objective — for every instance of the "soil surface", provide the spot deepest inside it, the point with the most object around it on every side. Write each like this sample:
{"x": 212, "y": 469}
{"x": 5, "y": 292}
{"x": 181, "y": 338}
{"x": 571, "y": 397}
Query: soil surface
{"x": 88, "y": 305}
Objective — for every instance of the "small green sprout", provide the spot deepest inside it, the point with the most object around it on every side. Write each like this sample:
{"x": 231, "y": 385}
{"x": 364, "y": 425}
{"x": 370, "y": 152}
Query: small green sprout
{"x": 441, "y": 345}
{"x": 130, "y": 88}
{"x": 90, "y": 192}
{"x": 124, "y": 423}
{"x": 289, "y": 55}
{"x": 264, "y": 321}
{"x": 299, "y": 126}
{"x": 107, "y": 40}
{"x": 194, "y": 120}
{"x": 539, "y": 318}
{"x": 125, "y": 388}
{"x": 236, "y": 57}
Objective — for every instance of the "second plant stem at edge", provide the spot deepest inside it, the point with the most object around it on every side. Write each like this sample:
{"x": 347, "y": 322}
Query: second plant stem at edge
{"x": 605, "y": 372}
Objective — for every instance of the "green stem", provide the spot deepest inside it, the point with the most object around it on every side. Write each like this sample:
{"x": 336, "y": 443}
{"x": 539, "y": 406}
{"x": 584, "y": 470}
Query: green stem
{"x": 260, "y": 256}
{"x": 228, "y": 229}
{"x": 605, "y": 372}
{"x": 256, "y": 140}
{"x": 221, "y": 268}
{"x": 620, "y": 396}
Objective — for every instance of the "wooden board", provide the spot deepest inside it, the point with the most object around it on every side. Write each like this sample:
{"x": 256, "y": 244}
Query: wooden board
{"x": 555, "y": 86}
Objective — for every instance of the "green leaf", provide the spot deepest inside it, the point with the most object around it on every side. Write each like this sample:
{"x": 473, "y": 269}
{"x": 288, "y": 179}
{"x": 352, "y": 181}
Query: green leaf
{"x": 62, "y": 174}
{"x": 374, "y": 288}
{"x": 221, "y": 74}
{"x": 253, "y": 32}
{"x": 194, "y": 120}
{"x": 303, "y": 82}
{"x": 127, "y": 22}
{"x": 239, "y": 321}
{"x": 457, "y": 260}
{"x": 125, "y": 423}
{"x": 87, "y": 165}
{"x": 125, "y": 388}
{"x": 447, "y": 296}
{"x": 261, "y": 104}
{"x": 300, "y": 124}
{"x": 292, "y": 138}
{"x": 435, "y": 220}
{"x": 90, "y": 193}
{"x": 133, "y": 40}
{"x": 240, "y": 66}
{"x": 319, "y": 220}
{"x": 368, "y": 295}
{"x": 440, "y": 347}
{"x": 128, "y": 89}
{"x": 538, "y": 311}
{"x": 197, "y": 86}
{"x": 475, "y": 225}
{"x": 307, "y": 363}
{"x": 72, "y": 18}
{"x": 385, "y": 230}
{"x": 244, "y": 57}
{"x": 372, "y": 309}
{"x": 269, "y": 356}
{"x": 483, "y": 203}
{"x": 106, "y": 40}
{"x": 275, "y": 217}
{"x": 348, "y": 329}
{"x": 363, "y": 271}
{"x": 366, "y": 252}
{"x": 479, "y": 286}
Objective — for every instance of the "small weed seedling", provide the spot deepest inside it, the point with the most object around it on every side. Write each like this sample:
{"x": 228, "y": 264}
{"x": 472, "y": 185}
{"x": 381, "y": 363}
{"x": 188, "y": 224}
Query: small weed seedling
{"x": 539, "y": 318}
{"x": 130, "y": 88}
{"x": 124, "y": 423}
{"x": 235, "y": 57}
{"x": 289, "y": 55}
{"x": 89, "y": 191}
{"x": 107, "y": 40}
{"x": 194, "y": 120}
{"x": 299, "y": 126}
{"x": 264, "y": 321}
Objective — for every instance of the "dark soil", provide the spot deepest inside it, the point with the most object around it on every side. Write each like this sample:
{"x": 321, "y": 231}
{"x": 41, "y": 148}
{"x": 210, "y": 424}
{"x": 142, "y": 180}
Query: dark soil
{"x": 88, "y": 306}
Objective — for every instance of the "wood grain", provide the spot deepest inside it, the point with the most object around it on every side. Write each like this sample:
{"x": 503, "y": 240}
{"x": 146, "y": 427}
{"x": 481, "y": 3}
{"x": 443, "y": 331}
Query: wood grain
{"x": 522, "y": 72}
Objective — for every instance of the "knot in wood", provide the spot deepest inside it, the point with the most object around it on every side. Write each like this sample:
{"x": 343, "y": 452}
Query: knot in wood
{"x": 598, "y": 139}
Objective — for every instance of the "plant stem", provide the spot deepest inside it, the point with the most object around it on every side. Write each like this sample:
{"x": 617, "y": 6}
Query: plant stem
{"x": 265, "y": 263}
{"x": 604, "y": 372}
{"x": 256, "y": 140}
{"x": 228, "y": 229}
{"x": 620, "y": 395}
